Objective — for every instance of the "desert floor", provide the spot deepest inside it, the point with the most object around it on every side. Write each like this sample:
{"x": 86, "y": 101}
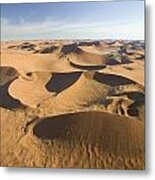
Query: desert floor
{"x": 72, "y": 104}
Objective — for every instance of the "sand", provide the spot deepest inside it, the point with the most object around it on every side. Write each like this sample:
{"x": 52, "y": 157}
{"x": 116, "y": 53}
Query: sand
{"x": 72, "y": 104}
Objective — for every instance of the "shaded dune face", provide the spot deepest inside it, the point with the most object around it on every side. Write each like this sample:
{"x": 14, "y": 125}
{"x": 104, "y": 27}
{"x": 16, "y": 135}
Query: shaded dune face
{"x": 112, "y": 80}
{"x": 7, "y": 74}
{"x": 84, "y": 67}
{"x": 135, "y": 96}
{"x": 61, "y": 81}
{"x": 110, "y": 132}
{"x": 137, "y": 106}
{"x": 7, "y": 101}
{"x": 138, "y": 99}
{"x": 84, "y": 43}
{"x": 124, "y": 88}
{"x": 84, "y": 91}
{"x": 118, "y": 94}
{"x": 27, "y": 46}
{"x": 70, "y": 48}
{"x": 116, "y": 59}
{"x": 24, "y": 46}
{"x": 47, "y": 50}
{"x": 78, "y": 57}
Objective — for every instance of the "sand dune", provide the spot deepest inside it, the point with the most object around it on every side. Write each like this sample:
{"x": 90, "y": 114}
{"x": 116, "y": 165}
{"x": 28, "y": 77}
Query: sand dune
{"x": 98, "y": 133}
{"x": 83, "y": 92}
{"x": 33, "y": 89}
{"x": 93, "y": 90}
{"x": 93, "y": 123}
{"x": 85, "y": 58}
{"x": 135, "y": 71}
{"x": 24, "y": 46}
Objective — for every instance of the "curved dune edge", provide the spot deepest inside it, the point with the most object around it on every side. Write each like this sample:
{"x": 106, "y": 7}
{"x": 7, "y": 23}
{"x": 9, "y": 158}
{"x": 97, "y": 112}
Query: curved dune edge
{"x": 90, "y": 67}
{"x": 100, "y": 137}
{"x": 62, "y": 81}
{"x": 7, "y": 74}
{"x": 70, "y": 148}
{"x": 31, "y": 91}
{"x": 87, "y": 86}
{"x": 25, "y": 63}
{"x": 83, "y": 92}
{"x": 87, "y": 59}
{"x": 88, "y": 90}
{"x": 60, "y": 91}
{"x": 6, "y": 100}
{"x": 136, "y": 74}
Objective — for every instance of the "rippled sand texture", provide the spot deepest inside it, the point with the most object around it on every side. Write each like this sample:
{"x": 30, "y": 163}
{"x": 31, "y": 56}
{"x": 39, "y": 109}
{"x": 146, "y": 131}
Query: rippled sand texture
{"x": 72, "y": 104}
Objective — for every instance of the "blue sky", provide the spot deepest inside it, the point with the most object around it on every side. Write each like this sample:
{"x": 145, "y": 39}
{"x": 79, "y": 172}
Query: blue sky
{"x": 78, "y": 20}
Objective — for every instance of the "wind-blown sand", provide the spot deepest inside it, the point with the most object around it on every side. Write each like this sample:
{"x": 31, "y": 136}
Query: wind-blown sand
{"x": 77, "y": 104}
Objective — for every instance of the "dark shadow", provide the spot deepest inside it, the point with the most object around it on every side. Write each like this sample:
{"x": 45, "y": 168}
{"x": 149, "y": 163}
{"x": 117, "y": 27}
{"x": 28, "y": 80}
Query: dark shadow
{"x": 112, "y": 80}
{"x": 47, "y": 50}
{"x": 61, "y": 81}
{"x": 70, "y": 48}
{"x": 27, "y": 46}
{"x": 67, "y": 126}
{"x": 24, "y": 46}
{"x": 132, "y": 111}
{"x": 12, "y": 47}
{"x": 6, "y": 101}
{"x": 7, "y": 74}
{"x": 89, "y": 67}
{"x": 135, "y": 96}
{"x": 116, "y": 59}
{"x": 52, "y": 127}
{"x": 133, "y": 108}
{"x": 139, "y": 100}
{"x": 89, "y": 43}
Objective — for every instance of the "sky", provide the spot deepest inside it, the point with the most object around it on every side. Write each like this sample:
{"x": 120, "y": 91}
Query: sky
{"x": 78, "y": 20}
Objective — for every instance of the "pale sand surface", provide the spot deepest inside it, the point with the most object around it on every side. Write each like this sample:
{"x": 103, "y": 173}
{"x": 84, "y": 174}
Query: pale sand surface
{"x": 70, "y": 104}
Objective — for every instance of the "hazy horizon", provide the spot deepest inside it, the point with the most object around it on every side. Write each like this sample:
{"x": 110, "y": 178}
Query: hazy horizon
{"x": 77, "y": 20}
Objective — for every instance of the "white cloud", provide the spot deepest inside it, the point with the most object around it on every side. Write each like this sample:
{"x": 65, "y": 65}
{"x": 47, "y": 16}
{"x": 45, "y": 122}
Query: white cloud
{"x": 21, "y": 20}
{"x": 53, "y": 28}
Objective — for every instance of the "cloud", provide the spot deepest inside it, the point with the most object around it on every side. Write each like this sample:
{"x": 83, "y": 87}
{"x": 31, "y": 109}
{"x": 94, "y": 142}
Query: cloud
{"x": 55, "y": 28}
{"x": 21, "y": 19}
